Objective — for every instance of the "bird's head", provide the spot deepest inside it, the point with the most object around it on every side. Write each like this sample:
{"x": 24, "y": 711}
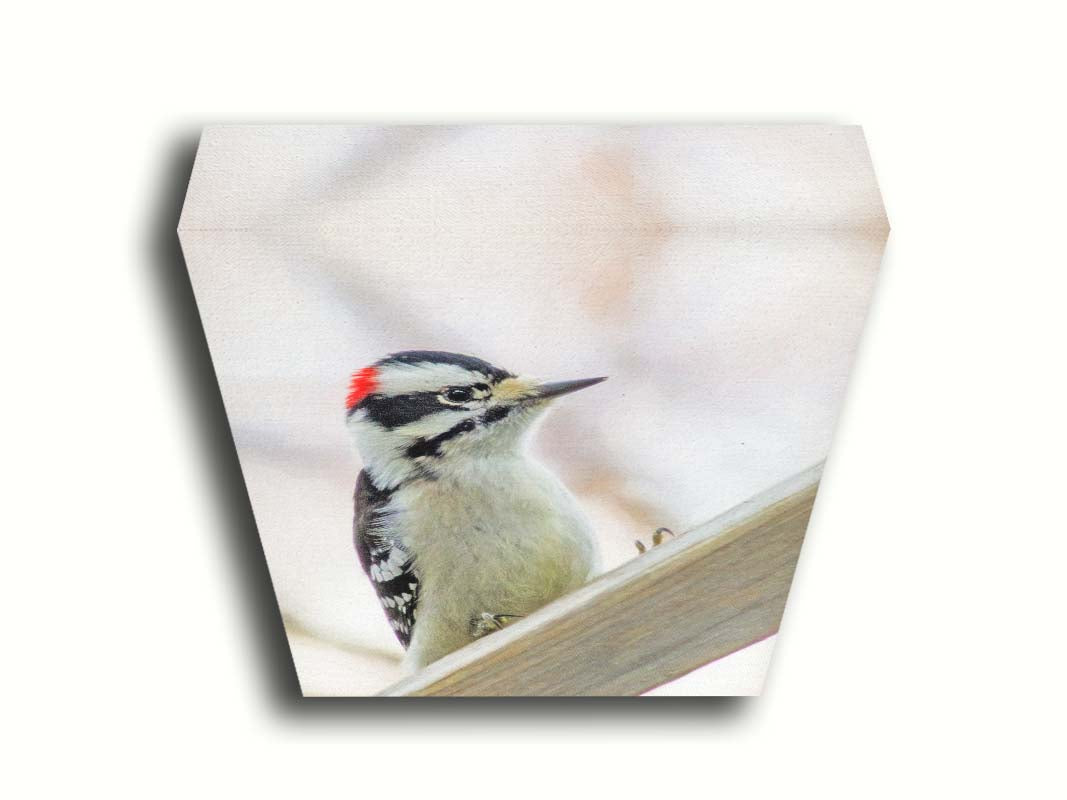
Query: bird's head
{"x": 420, "y": 412}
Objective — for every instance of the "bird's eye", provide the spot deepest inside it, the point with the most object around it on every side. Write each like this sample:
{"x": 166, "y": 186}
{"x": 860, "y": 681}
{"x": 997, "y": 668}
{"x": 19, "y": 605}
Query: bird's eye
{"x": 457, "y": 394}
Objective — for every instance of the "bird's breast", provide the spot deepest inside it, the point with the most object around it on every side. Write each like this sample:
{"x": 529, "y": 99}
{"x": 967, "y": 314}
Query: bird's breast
{"x": 502, "y": 536}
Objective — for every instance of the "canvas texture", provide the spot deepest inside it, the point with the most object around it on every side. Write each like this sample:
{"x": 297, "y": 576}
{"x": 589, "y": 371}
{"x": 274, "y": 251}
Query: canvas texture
{"x": 719, "y": 275}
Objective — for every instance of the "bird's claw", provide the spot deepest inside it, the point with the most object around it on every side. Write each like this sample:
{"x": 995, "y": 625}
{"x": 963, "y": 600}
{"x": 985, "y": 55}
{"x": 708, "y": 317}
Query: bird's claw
{"x": 657, "y": 539}
{"x": 487, "y": 623}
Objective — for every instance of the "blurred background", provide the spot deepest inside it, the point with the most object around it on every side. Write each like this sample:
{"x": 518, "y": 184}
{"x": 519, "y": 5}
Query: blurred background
{"x": 718, "y": 274}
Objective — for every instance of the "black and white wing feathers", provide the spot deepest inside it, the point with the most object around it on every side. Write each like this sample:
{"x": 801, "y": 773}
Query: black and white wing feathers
{"x": 389, "y": 567}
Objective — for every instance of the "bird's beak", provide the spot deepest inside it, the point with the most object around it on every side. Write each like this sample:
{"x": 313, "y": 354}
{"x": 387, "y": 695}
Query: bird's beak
{"x": 545, "y": 390}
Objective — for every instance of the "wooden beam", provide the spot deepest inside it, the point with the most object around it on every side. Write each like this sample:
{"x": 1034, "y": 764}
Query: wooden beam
{"x": 690, "y": 601}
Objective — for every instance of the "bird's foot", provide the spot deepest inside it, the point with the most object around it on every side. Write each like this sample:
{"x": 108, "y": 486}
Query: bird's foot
{"x": 657, "y": 539}
{"x": 487, "y": 623}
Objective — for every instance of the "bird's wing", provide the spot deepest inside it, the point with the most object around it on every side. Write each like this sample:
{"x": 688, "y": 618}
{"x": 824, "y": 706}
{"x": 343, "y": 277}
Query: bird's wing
{"x": 389, "y": 567}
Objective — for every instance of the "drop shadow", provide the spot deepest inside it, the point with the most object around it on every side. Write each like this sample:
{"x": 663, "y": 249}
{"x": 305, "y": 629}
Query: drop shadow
{"x": 267, "y": 633}
{"x": 675, "y": 712}
{"x": 192, "y": 359}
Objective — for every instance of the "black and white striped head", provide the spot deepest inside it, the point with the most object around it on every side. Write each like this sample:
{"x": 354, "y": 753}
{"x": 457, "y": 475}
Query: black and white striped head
{"x": 421, "y": 411}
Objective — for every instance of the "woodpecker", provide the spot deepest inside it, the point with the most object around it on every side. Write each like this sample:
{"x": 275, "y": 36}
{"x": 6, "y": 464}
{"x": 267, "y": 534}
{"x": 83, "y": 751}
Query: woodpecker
{"x": 459, "y": 531}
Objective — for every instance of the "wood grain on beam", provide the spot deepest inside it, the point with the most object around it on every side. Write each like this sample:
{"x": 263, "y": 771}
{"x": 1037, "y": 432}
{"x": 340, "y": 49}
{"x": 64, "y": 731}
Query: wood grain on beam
{"x": 690, "y": 601}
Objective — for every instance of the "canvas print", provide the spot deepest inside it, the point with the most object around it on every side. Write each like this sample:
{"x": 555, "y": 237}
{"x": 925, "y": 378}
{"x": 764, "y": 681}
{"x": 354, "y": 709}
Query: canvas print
{"x": 532, "y": 409}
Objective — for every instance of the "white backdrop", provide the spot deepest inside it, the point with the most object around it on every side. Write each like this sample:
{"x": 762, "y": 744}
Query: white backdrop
{"x": 920, "y": 654}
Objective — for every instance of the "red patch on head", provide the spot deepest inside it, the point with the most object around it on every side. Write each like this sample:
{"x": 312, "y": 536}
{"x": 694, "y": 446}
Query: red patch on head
{"x": 363, "y": 383}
